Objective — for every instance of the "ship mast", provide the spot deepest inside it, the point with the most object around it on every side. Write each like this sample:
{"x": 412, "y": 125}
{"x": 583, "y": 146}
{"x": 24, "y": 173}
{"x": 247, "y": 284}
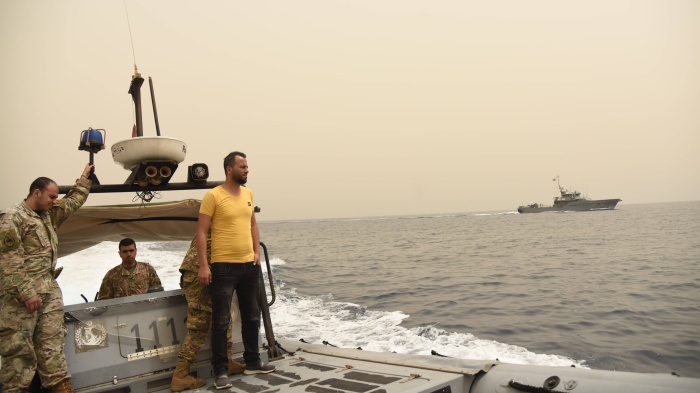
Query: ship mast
{"x": 561, "y": 190}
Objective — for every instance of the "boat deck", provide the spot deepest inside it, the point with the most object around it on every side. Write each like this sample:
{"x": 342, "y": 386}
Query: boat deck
{"x": 327, "y": 370}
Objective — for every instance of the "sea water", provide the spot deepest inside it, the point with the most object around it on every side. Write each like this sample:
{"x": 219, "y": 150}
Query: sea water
{"x": 614, "y": 290}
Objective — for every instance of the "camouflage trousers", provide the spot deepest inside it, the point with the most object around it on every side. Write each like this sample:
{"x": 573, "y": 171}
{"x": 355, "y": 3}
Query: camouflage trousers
{"x": 198, "y": 318}
{"x": 32, "y": 342}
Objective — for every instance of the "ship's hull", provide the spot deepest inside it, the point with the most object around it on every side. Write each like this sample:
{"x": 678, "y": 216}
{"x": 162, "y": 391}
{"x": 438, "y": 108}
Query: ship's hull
{"x": 576, "y": 206}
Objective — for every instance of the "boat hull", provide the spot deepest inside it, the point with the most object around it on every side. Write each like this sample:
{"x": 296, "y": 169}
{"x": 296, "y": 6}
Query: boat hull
{"x": 576, "y": 206}
{"x": 131, "y": 345}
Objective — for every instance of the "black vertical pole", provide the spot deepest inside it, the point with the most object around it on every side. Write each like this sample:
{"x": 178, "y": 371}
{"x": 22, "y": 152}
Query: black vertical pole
{"x": 135, "y": 91}
{"x": 153, "y": 100}
{"x": 92, "y": 175}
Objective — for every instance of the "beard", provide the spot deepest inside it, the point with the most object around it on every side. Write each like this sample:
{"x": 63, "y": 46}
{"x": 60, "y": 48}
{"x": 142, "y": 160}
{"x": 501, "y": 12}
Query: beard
{"x": 241, "y": 180}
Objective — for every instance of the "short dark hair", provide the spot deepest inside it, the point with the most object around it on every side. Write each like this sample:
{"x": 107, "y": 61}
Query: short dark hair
{"x": 39, "y": 184}
{"x": 126, "y": 242}
{"x": 231, "y": 158}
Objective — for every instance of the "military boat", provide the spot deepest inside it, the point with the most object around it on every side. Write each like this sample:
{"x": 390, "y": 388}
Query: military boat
{"x": 131, "y": 344}
{"x": 570, "y": 201}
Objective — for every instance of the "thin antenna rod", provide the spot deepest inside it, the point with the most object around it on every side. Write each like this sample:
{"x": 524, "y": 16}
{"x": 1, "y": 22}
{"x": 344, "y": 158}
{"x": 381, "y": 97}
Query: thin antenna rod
{"x": 133, "y": 52}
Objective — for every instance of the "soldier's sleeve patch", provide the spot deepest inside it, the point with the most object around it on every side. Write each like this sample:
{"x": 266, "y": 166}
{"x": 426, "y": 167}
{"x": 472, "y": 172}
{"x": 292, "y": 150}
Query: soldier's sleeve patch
{"x": 8, "y": 240}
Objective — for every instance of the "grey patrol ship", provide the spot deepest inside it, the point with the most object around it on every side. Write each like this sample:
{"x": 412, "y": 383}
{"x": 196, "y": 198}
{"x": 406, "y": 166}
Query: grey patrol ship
{"x": 570, "y": 201}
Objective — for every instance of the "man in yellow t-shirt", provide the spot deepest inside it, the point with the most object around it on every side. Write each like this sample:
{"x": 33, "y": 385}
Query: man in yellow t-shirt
{"x": 235, "y": 265}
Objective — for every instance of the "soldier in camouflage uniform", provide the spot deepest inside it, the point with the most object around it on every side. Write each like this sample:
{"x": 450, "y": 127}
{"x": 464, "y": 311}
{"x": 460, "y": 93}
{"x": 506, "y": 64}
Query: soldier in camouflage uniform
{"x": 32, "y": 331}
{"x": 130, "y": 277}
{"x": 198, "y": 323}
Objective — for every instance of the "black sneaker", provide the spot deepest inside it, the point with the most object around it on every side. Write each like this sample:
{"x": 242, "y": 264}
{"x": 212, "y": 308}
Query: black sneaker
{"x": 222, "y": 382}
{"x": 259, "y": 369}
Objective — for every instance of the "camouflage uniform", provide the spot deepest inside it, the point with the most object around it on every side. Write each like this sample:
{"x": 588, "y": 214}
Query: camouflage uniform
{"x": 198, "y": 306}
{"x": 28, "y": 252}
{"x": 120, "y": 281}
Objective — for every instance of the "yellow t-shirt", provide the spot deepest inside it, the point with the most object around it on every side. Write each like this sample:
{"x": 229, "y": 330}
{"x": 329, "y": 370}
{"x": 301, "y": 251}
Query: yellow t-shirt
{"x": 231, "y": 236}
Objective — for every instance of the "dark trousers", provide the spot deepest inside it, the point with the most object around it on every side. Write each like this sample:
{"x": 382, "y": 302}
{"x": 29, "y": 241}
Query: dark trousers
{"x": 244, "y": 278}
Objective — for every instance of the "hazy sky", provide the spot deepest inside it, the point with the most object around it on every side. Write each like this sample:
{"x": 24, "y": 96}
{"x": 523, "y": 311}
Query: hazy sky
{"x": 366, "y": 108}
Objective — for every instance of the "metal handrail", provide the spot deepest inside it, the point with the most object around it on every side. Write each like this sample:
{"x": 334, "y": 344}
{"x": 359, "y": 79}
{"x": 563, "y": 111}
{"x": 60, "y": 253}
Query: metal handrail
{"x": 273, "y": 350}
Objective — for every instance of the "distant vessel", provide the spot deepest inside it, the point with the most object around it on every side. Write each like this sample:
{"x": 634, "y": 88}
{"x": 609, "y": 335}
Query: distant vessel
{"x": 570, "y": 201}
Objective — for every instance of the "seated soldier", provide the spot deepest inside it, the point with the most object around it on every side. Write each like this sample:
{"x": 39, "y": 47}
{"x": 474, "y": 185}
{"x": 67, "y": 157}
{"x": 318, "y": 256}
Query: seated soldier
{"x": 130, "y": 277}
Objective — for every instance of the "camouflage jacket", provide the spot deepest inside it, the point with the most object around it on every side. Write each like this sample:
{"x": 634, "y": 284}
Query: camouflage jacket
{"x": 120, "y": 282}
{"x": 29, "y": 245}
{"x": 191, "y": 261}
